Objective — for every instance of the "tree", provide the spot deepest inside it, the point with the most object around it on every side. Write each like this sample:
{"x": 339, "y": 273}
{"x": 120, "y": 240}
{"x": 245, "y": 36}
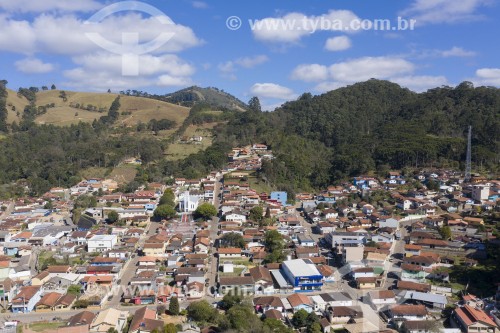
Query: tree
{"x": 170, "y": 328}
{"x": 109, "y": 91}
{"x": 168, "y": 198}
{"x": 164, "y": 212}
{"x": 276, "y": 326}
{"x": 53, "y": 87}
{"x": 232, "y": 239}
{"x": 63, "y": 96}
{"x": 74, "y": 289}
{"x": 112, "y": 330}
{"x": 201, "y": 311}
{"x": 445, "y": 232}
{"x": 112, "y": 216}
{"x": 242, "y": 318}
{"x": 254, "y": 104}
{"x": 256, "y": 214}
{"x": 173, "y": 307}
{"x": 81, "y": 304}
{"x": 205, "y": 210}
{"x": 274, "y": 243}
{"x": 44, "y": 88}
{"x": 229, "y": 300}
{"x": 314, "y": 328}
{"x": 299, "y": 318}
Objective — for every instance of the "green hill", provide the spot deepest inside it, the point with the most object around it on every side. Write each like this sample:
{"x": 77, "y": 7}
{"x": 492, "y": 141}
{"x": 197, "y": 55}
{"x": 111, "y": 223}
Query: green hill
{"x": 214, "y": 97}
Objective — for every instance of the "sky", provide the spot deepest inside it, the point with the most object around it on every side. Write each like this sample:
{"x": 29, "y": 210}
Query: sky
{"x": 273, "y": 49}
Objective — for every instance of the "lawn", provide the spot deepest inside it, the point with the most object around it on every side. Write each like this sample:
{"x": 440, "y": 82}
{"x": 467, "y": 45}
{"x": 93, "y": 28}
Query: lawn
{"x": 46, "y": 326}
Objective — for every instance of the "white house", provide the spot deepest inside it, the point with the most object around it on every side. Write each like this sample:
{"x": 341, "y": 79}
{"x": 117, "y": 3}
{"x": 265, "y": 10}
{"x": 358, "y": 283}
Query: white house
{"x": 389, "y": 223}
{"x": 381, "y": 298}
{"x": 235, "y": 217}
{"x": 102, "y": 243}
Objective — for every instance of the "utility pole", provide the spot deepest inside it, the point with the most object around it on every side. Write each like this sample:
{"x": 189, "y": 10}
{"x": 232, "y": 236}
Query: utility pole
{"x": 468, "y": 158}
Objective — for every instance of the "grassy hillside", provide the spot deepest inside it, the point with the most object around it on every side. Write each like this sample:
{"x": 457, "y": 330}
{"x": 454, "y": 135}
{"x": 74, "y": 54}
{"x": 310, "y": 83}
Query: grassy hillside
{"x": 63, "y": 114}
{"x": 18, "y": 103}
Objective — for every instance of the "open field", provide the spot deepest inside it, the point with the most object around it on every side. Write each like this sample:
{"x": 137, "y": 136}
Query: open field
{"x": 255, "y": 183}
{"x": 141, "y": 109}
{"x": 123, "y": 174}
{"x": 94, "y": 172}
{"x": 178, "y": 150}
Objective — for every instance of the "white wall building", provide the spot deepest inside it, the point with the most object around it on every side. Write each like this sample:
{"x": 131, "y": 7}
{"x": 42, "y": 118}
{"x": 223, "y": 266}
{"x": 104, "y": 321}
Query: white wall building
{"x": 102, "y": 243}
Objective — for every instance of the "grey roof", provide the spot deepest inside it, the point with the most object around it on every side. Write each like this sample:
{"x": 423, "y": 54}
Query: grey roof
{"x": 301, "y": 267}
{"x": 336, "y": 296}
{"x": 280, "y": 279}
{"x": 425, "y": 297}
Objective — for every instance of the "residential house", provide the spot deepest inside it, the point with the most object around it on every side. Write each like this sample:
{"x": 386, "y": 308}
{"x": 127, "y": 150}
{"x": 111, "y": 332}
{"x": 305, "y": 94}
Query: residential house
{"x": 470, "y": 319}
{"x": 237, "y": 284}
{"x": 408, "y": 312}
{"x": 26, "y": 299}
{"x": 381, "y": 298}
{"x": 299, "y": 301}
{"x": 107, "y": 319}
{"x": 145, "y": 321}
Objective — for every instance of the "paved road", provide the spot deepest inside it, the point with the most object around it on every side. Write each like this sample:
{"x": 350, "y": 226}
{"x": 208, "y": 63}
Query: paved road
{"x": 214, "y": 227}
{"x": 130, "y": 266}
{"x": 8, "y": 210}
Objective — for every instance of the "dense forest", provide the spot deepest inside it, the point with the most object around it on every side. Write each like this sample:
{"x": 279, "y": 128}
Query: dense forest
{"x": 317, "y": 140}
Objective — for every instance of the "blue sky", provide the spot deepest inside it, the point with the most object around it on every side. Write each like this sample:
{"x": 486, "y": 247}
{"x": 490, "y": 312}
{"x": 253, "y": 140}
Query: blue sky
{"x": 45, "y": 42}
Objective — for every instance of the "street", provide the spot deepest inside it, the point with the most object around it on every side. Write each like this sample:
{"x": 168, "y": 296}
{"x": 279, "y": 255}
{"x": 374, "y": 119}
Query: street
{"x": 214, "y": 227}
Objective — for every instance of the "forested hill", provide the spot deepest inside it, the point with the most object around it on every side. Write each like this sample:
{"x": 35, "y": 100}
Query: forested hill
{"x": 211, "y": 96}
{"x": 373, "y": 125}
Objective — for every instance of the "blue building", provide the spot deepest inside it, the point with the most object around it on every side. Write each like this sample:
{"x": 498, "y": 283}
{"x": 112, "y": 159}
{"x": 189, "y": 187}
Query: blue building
{"x": 302, "y": 274}
{"x": 281, "y": 197}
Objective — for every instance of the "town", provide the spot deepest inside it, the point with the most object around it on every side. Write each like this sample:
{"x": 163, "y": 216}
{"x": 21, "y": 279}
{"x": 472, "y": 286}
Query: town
{"x": 378, "y": 253}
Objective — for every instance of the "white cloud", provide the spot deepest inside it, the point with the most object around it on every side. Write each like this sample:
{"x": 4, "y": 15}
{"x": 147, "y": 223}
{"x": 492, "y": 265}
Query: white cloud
{"x": 444, "y": 11}
{"x": 310, "y": 73}
{"x": 16, "y": 36}
{"x": 199, "y": 4}
{"x": 101, "y": 70}
{"x": 272, "y": 90}
{"x": 250, "y": 62}
{"x": 291, "y": 27}
{"x": 25, "y": 6}
{"x": 328, "y": 86}
{"x": 33, "y": 66}
{"x": 339, "y": 43}
{"x": 487, "y": 77}
{"x": 67, "y": 34}
{"x": 420, "y": 83}
{"x": 341, "y": 74}
{"x": 229, "y": 68}
{"x": 457, "y": 52}
{"x": 365, "y": 68}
